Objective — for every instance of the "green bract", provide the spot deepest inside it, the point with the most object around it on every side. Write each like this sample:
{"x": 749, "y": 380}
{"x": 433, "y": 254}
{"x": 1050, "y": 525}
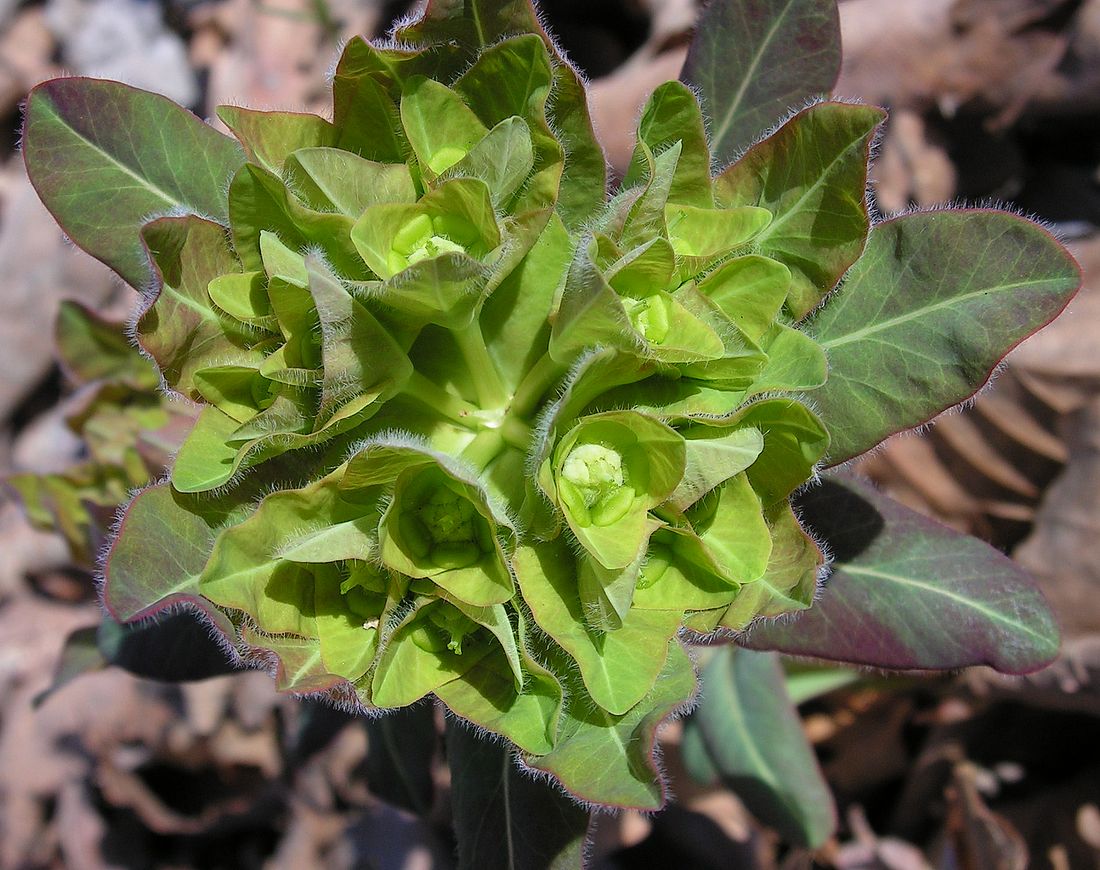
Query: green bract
{"x": 472, "y": 428}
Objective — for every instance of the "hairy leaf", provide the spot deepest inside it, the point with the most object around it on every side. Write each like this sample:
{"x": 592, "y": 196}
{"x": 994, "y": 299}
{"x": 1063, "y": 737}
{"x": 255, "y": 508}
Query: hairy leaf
{"x": 811, "y": 174}
{"x": 137, "y": 155}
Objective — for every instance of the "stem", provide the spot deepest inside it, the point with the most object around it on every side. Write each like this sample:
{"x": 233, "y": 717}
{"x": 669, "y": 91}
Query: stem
{"x": 485, "y": 447}
{"x": 446, "y": 403}
{"x": 483, "y": 372}
{"x": 516, "y": 433}
{"x": 541, "y": 377}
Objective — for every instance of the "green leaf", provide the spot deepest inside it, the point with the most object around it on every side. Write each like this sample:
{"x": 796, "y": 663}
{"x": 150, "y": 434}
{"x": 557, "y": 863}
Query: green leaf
{"x": 927, "y": 313}
{"x": 328, "y": 178}
{"x": 795, "y": 362}
{"x": 626, "y": 774}
{"x": 750, "y": 291}
{"x": 811, "y": 174}
{"x": 441, "y": 127}
{"x": 790, "y": 581}
{"x": 250, "y": 568}
{"x": 181, "y": 328}
{"x": 794, "y": 442}
{"x": 408, "y": 670}
{"x": 514, "y": 320}
{"x": 260, "y": 203}
{"x": 614, "y": 675}
{"x": 713, "y": 456}
{"x": 503, "y": 819}
{"x": 673, "y": 115}
{"x": 751, "y": 61}
{"x": 488, "y": 696}
{"x": 136, "y": 155}
{"x": 502, "y": 159}
{"x": 269, "y": 138}
{"x": 93, "y": 348}
{"x": 731, "y": 527}
{"x": 908, "y": 593}
{"x": 363, "y": 365}
{"x": 477, "y": 25}
{"x": 754, "y": 739}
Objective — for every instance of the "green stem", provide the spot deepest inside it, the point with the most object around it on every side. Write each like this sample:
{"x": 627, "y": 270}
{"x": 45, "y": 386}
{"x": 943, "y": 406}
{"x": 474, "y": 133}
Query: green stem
{"x": 438, "y": 399}
{"x": 516, "y": 433}
{"x": 541, "y": 377}
{"x": 483, "y": 371}
{"x": 486, "y": 447}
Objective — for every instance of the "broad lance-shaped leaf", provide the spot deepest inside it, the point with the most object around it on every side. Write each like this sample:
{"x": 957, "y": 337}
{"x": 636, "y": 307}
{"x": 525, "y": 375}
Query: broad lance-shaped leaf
{"x": 753, "y": 738}
{"x": 909, "y": 593}
{"x": 933, "y": 305}
{"x": 136, "y": 154}
{"x": 504, "y": 819}
{"x": 610, "y": 759}
{"x": 751, "y": 60}
{"x": 811, "y": 174}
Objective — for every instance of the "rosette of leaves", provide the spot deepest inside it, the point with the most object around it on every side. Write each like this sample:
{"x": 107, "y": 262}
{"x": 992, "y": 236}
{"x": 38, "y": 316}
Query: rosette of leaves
{"x": 473, "y": 429}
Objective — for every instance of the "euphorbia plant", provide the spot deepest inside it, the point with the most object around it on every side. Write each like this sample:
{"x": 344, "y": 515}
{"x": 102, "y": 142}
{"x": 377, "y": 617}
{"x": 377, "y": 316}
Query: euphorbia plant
{"x": 472, "y": 429}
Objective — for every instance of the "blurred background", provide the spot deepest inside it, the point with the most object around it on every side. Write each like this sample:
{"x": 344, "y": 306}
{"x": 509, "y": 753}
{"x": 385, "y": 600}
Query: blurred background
{"x": 990, "y": 100}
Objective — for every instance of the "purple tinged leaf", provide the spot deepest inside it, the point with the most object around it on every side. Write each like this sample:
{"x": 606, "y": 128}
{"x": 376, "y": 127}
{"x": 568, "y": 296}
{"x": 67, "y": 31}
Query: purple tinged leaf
{"x": 908, "y": 593}
{"x": 752, "y": 736}
{"x": 751, "y": 60}
{"x": 933, "y": 305}
{"x": 163, "y": 542}
{"x": 106, "y": 157}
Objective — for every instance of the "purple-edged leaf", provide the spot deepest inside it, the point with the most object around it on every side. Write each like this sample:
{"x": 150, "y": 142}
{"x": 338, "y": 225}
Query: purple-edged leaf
{"x": 503, "y": 819}
{"x": 811, "y": 175}
{"x": 909, "y": 593}
{"x": 753, "y": 738}
{"x": 163, "y": 543}
{"x": 933, "y": 305}
{"x": 106, "y": 157}
{"x": 180, "y": 327}
{"x": 752, "y": 60}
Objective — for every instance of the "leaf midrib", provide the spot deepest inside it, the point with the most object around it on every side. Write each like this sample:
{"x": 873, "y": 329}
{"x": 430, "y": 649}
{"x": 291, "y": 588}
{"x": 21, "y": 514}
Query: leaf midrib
{"x": 992, "y": 615}
{"x": 927, "y": 310}
{"x": 723, "y": 128}
{"x": 171, "y": 199}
